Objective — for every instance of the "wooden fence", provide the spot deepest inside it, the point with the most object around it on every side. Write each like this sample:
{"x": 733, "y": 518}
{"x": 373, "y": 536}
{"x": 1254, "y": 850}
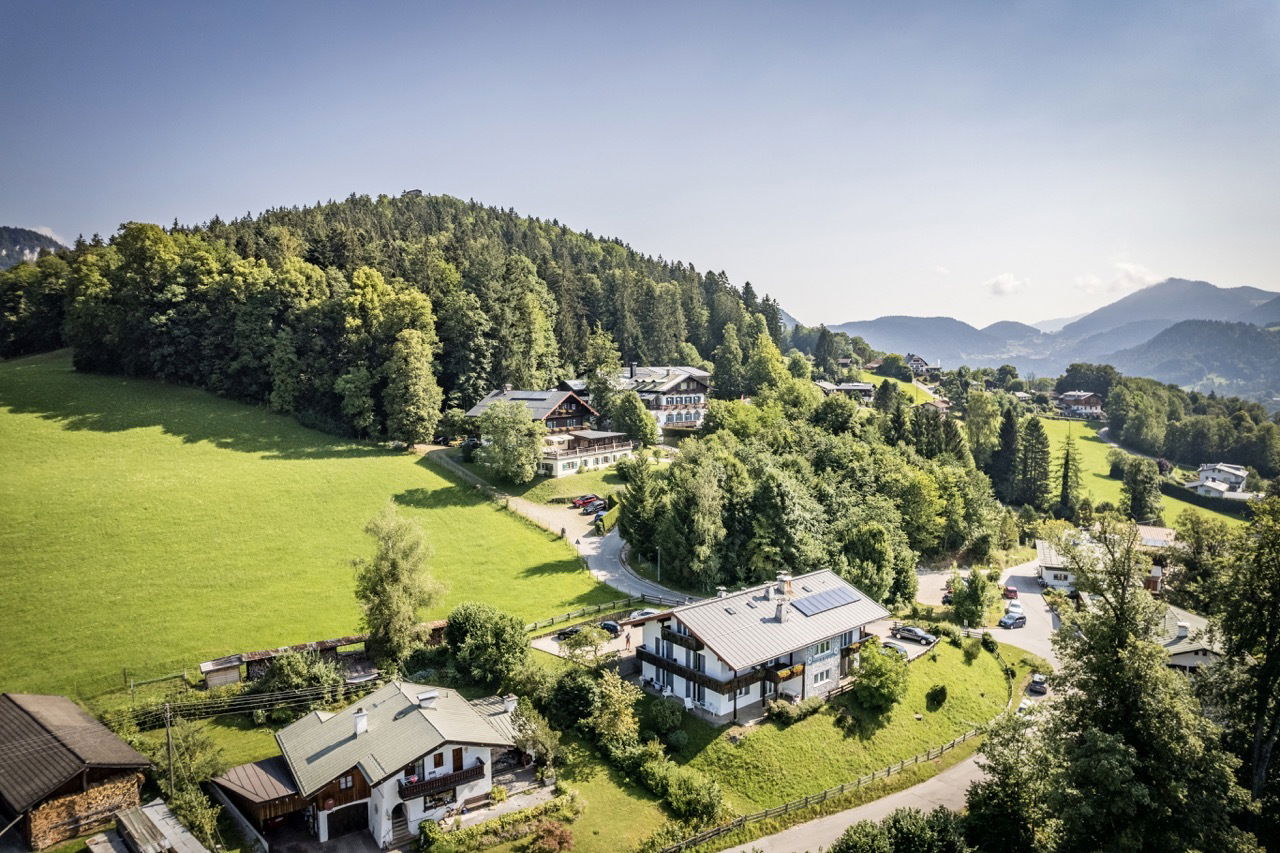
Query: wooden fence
{"x": 820, "y": 797}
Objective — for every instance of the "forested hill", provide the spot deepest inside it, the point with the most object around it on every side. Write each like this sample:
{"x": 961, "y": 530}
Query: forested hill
{"x": 23, "y": 244}
{"x": 1209, "y": 355}
{"x": 336, "y": 312}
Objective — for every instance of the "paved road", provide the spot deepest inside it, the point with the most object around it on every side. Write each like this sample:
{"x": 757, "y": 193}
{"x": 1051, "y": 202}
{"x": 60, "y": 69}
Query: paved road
{"x": 604, "y": 554}
{"x": 1036, "y": 637}
{"x": 948, "y": 789}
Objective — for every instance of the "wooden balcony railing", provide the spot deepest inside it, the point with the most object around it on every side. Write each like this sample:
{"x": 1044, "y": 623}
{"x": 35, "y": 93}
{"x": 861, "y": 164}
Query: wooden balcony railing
{"x": 780, "y": 672}
{"x": 682, "y": 640}
{"x": 724, "y": 688}
{"x": 409, "y": 790}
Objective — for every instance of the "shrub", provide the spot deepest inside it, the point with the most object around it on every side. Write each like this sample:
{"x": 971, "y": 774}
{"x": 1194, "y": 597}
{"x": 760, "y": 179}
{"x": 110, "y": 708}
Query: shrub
{"x": 972, "y": 648}
{"x": 551, "y": 836}
{"x": 655, "y": 774}
{"x": 498, "y": 793}
{"x": 692, "y": 795}
{"x": 936, "y": 696}
{"x": 632, "y": 758}
{"x": 945, "y": 629}
{"x": 865, "y": 836}
{"x": 678, "y": 739}
{"x": 573, "y": 699}
{"x": 880, "y": 680}
{"x": 663, "y": 716}
{"x": 488, "y": 646}
{"x": 786, "y": 713}
{"x": 989, "y": 642}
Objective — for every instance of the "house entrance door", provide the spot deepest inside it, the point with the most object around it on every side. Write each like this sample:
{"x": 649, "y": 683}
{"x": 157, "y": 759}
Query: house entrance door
{"x": 457, "y": 759}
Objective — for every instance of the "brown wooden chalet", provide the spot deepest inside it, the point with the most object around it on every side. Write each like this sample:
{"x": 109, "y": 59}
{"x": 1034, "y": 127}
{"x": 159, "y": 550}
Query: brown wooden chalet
{"x": 560, "y": 410}
{"x": 62, "y": 773}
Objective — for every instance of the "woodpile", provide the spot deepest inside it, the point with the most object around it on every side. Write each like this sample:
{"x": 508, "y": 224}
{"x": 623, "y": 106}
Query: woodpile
{"x": 66, "y": 817}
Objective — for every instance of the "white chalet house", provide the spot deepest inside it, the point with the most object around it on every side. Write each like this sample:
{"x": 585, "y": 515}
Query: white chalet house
{"x": 401, "y": 755}
{"x": 793, "y": 638}
{"x": 1081, "y": 404}
{"x": 676, "y": 395}
{"x": 1221, "y": 480}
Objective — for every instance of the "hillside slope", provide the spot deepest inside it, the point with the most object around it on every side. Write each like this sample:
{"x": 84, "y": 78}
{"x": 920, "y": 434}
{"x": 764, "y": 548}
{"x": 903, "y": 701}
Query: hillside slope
{"x": 1234, "y": 358}
{"x": 936, "y": 338}
{"x": 1171, "y": 300}
{"x": 23, "y": 244}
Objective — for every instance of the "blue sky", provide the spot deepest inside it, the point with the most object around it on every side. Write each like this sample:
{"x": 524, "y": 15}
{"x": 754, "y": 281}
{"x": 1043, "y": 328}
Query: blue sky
{"x": 986, "y": 161}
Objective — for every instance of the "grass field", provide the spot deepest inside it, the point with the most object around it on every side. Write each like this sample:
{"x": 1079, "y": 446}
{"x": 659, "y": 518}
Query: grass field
{"x": 148, "y": 527}
{"x": 602, "y": 482}
{"x": 1097, "y": 481}
{"x": 914, "y": 392}
{"x": 772, "y": 764}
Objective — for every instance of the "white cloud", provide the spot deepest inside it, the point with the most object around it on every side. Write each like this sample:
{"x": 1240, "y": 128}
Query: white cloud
{"x": 49, "y": 232}
{"x": 1005, "y": 284}
{"x": 1125, "y": 277}
{"x": 941, "y": 270}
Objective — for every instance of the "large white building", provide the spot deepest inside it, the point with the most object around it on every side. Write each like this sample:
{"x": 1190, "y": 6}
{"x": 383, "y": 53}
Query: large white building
{"x": 725, "y": 656}
{"x": 1220, "y": 480}
{"x": 676, "y": 395}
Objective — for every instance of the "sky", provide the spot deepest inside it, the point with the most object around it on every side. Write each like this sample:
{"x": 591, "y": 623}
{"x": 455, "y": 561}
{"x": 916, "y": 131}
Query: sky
{"x": 988, "y": 161}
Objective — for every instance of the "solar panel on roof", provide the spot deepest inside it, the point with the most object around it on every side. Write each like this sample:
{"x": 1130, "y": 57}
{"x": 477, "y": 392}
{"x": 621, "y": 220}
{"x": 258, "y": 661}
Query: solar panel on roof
{"x": 821, "y": 602}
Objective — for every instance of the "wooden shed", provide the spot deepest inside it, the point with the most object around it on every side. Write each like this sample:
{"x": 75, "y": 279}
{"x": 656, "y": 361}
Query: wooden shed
{"x": 221, "y": 671}
{"x": 263, "y": 790}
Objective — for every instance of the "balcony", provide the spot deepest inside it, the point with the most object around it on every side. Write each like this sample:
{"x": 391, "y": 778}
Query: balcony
{"x": 436, "y": 784}
{"x": 724, "y": 688}
{"x": 683, "y": 640}
{"x": 595, "y": 449}
{"x": 777, "y": 673}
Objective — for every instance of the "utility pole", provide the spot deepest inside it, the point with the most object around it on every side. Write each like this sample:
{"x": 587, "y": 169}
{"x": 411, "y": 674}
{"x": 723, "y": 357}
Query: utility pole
{"x": 659, "y": 565}
{"x": 168, "y": 736}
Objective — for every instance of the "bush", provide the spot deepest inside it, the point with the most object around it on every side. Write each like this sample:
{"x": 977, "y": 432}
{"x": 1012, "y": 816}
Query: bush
{"x": 865, "y": 836}
{"x": 972, "y": 648}
{"x": 678, "y": 739}
{"x": 551, "y": 836}
{"x": 632, "y": 758}
{"x": 786, "y": 713}
{"x": 498, "y": 793}
{"x": 692, "y": 795}
{"x": 881, "y": 679}
{"x": 936, "y": 696}
{"x": 945, "y": 629}
{"x": 573, "y": 699}
{"x": 488, "y": 646}
{"x": 663, "y": 716}
{"x": 508, "y": 827}
{"x": 989, "y": 642}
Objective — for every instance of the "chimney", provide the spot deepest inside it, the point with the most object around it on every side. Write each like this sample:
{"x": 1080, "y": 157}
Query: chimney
{"x": 633, "y": 370}
{"x": 361, "y": 720}
{"x": 509, "y": 702}
{"x": 1184, "y": 628}
{"x": 506, "y": 387}
{"x": 768, "y": 593}
{"x": 721, "y": 591}
{"x": 782, "y": 611}
{"x": 785, "y": 578}
{"x": 782, "y": 583}
{"x": 428, "y": 699}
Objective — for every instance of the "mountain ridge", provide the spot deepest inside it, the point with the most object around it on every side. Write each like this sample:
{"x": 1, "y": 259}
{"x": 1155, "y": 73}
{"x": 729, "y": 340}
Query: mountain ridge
{"x": 23, "y": 244}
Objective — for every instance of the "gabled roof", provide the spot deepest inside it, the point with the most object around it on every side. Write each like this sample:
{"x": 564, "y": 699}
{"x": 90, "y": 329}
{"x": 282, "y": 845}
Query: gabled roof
{"x": 320, "y": 747}
{"x": 260, "y": 782}
{"x": 539, "y": 403}
{"x": 1070, "y": 396}
{"x": 46, "y": 740}
{"x": 656, "y": 379}
{"x": 1238, "y": 470}
{"x": 742, "y": 628}
{"x": 1196, "y": 637}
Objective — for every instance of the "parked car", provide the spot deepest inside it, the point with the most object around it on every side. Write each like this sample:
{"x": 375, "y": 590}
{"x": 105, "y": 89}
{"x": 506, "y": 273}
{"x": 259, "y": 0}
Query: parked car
{"x": 640, "y": 614}
{"x": 613, "y": 628}
{"x": 911, "y": 632}
{"x": 1039, "y": 684}
{"x": 1013, "y": 620}
{"x": 1013, "y": 607}
{"x": 889, "y": 646}
{"x": 594, "y": 507}
{"x": 1026, "y": 706}
{"x": 566, "y": 633}
{"x": 1010, "y": 592}
{"x": 583, "y": 500}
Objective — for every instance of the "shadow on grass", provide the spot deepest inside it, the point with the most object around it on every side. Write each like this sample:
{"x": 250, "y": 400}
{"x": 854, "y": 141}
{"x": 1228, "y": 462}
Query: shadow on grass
{"x": 856, "y": 721}
{"x": 577, "y": 762}
{"x": 46, "y": 386}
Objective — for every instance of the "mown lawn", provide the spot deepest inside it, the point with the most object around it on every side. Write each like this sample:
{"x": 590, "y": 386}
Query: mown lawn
{"x": 914, "y": 392}
{"x": 1097, "y": 480}
{"x": 146, "y": 527}
{"x": 772, "y": 764}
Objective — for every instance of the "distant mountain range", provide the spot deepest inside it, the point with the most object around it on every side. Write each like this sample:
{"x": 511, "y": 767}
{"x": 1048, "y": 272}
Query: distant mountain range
{"x": 23, "y": 244}
{"x": 1191, "y": 333}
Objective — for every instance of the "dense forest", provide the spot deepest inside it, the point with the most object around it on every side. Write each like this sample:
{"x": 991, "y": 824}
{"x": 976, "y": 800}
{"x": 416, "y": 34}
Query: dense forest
{"x": 353, "y": 315}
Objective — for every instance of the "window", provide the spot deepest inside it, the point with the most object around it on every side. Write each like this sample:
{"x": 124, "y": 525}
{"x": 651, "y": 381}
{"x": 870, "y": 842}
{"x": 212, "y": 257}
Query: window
{"x": 822, "y": 677}
{"x": 437, "y": 760}
{"x": 743, "y": 691}
{"x": 846, "y": 639}
{"x": 822, "y": 648}
{"x": 1059, "y": 576}
{"x": 345, "y": 782}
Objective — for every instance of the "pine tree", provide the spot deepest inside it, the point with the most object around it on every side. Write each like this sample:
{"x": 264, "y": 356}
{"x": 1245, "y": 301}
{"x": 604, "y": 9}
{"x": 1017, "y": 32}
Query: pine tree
{"x": 1069, "y": 479}
{"x": 1003, "y": 468}
{"x": 887, "y": 397}
{"x": 1033, "y": 487}
{"x": 641, "y": 505}
{"x": 824, "y": 352}
{"x": 601, "y": 367}
{"x": 728, "y": 378}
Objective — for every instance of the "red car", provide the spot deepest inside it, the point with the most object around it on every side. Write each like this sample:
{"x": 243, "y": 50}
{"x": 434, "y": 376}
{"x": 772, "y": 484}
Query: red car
{"x": 1010, "y": 592}
{"x": 582, "y": 501}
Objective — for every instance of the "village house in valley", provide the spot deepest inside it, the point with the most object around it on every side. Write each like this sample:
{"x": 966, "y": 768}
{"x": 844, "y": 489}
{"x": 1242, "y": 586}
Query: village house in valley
{"x": 862, "y": 391}
{"x": 401, "y": 755}
{"x": 62, "y": 773}
{"x": 572, "y": 444}
{"x": 921, "y": 368}
{"x": 1220, "y": 480}
{"x": 1080, "y": 404}
{"x": 726, "y": 656}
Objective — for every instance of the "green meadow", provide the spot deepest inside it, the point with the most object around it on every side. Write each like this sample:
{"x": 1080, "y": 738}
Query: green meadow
{"x": 145, "y": 527}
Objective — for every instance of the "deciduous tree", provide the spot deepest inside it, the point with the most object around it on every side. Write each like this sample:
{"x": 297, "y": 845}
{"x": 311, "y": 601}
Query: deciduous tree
{"x": 393, "y": 586}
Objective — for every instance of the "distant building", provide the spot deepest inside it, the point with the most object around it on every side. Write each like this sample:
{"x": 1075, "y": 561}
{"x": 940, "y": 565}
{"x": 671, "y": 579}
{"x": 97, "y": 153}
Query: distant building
{"x": 940, "y": 404}
{"x": 677, "y": 395}
{"x": 1081, "y": 404}
{"x": 558, "y": 409}
{"x": 863, "y": 391}
{"x": 1220, "y": 480}
{"x": 1185, "y": 637}
{"x": 919, "y": 367}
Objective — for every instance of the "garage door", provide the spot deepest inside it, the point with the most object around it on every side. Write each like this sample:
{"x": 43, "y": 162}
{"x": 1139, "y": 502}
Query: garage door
{"x": 348, "y": 819}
